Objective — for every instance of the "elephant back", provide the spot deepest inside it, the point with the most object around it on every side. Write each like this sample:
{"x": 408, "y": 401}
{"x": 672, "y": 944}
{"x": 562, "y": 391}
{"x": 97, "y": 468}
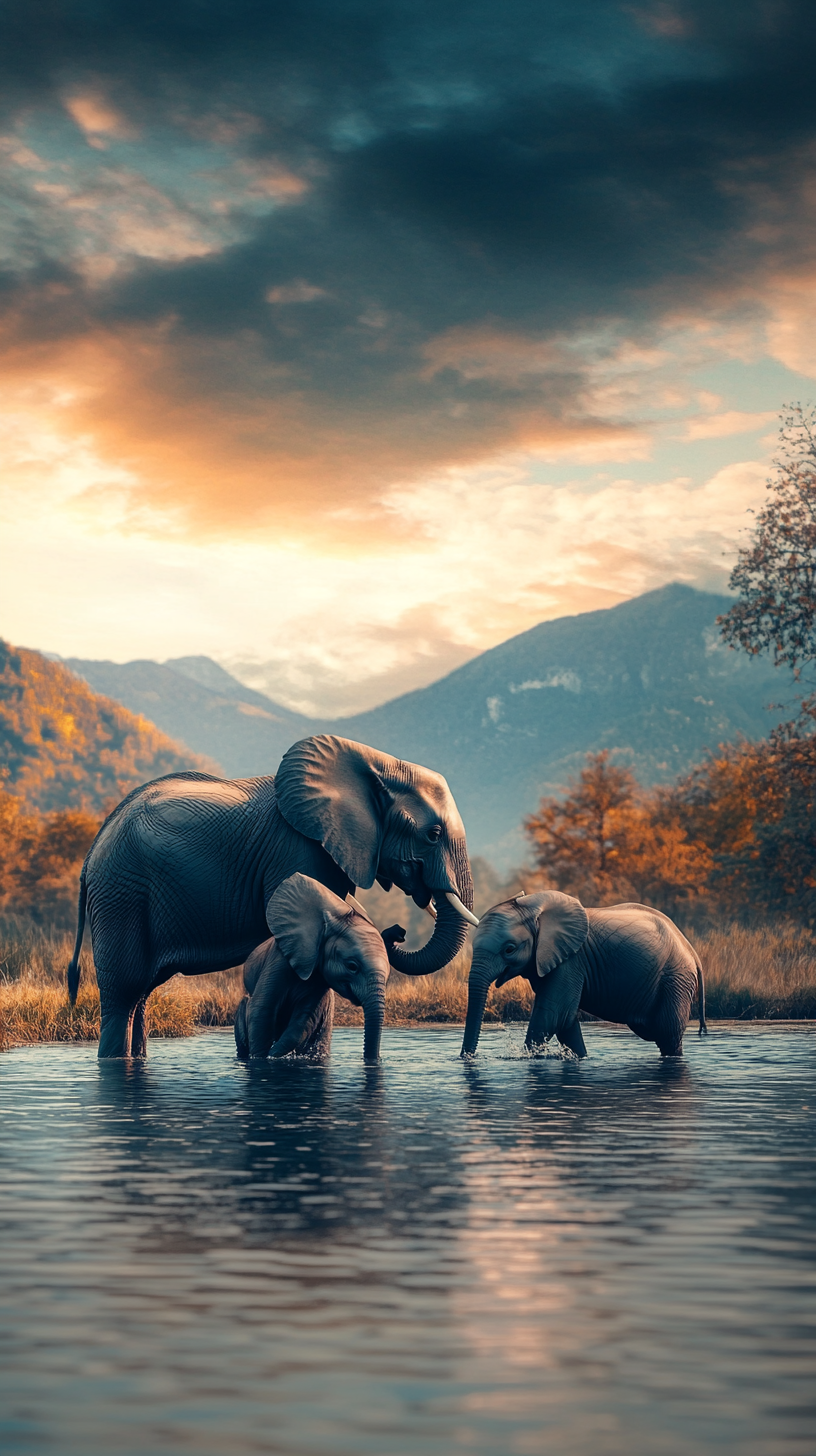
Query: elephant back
{"x": 629, "y": 950}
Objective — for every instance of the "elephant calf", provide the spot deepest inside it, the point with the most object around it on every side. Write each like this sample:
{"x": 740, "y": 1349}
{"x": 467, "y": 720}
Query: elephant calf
{"x": 624, "y": 963}
{"x": 320, "y": 944}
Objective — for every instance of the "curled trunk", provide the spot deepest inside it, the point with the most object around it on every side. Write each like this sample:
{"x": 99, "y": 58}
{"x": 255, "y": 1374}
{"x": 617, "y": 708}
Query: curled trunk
{"x": 479, "y": 983}
{"x": 449, "y": 935}
{"x": 374, "y": 1015}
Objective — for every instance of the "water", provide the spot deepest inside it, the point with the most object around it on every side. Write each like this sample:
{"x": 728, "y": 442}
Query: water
{"x": 612, "y": 1258}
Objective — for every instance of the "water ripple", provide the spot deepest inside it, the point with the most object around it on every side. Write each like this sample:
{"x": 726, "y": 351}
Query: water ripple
{"x": 611, "y": 1258}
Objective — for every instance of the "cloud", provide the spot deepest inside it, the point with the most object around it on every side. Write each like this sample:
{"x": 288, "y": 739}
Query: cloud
{"x": 97, "y": 118}
{"x": 407, "y": 296}
{"x": 730, "y": 422}
{"x": 792, "y": 322}
{"x": 297, "y": 292}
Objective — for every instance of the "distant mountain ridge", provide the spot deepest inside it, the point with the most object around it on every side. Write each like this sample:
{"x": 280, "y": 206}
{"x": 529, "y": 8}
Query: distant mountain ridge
{"x": 649, "y": 678}
{"x": 197, "y": 703}
{"x": 63, "y": 746}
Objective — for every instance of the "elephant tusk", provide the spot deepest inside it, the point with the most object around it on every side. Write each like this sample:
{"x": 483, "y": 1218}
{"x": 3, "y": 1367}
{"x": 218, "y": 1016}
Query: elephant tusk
{"x": 430, "y": 909}
{"x": 462, "y": 909}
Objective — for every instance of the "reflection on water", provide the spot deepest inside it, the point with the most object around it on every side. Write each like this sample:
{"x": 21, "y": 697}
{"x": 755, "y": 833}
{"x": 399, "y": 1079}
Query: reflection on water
{"x": 612, "y": 1258}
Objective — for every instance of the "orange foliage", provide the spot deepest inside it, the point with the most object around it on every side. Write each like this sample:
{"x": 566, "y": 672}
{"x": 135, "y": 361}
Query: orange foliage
{"x": 737, "y": 834}
{"x": 40, "y": 859}
{"x": 754, "y": 804}
{"x": 608, "y": 840}
{"x": 63, "y": 746}
{"x": 67, "y": 756}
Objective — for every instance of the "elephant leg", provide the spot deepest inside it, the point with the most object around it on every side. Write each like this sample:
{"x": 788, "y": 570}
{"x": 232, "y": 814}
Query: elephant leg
{"x": 572, "y": 1037}
{"x": 671, "y": 1013}
{"x": 138, "y": 1030}
{"x": 540, "y": 1027}
{"x": 318, "y": 1034}
{"x": 295, "y": 1036}
{"x": 668, "y": 1031}
{"x": 555, "y": 1010}
{"x": 114, "y": 1035}
{"x": 240, "y": 1029}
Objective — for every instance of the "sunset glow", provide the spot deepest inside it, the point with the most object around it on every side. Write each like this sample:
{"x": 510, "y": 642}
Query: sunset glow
{"x": 344, "y": 348}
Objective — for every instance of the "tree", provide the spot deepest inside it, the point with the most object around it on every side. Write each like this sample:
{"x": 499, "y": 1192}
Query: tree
{"x": 575, "y": 839}
{"x": 40, "y": 859}
{"x": 609, "y": 840}
{"x": 754, "y": 807}
{"x": 776, "y": 575}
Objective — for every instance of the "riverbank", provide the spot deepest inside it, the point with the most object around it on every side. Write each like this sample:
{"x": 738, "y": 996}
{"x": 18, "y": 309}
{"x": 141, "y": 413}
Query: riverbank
{"x": 766, "y": 973}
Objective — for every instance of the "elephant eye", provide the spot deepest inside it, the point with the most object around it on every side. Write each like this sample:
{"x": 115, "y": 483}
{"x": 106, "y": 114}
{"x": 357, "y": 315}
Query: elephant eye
{"x": 352, "y": 965}
{"x": 435, "y": 833}
{"x": 510, "y": 948}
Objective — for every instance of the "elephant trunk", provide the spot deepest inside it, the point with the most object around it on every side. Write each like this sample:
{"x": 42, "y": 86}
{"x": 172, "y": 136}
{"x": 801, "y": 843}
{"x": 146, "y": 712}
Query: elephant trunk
{"x": 479, "y": 982}
{"x": 374, "y": 1015}
{"x": 449, "y": 935}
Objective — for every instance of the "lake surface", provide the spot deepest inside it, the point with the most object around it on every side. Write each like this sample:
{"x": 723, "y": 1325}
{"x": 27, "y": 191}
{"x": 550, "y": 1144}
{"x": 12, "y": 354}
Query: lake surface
{"x": 611, "y": 1258}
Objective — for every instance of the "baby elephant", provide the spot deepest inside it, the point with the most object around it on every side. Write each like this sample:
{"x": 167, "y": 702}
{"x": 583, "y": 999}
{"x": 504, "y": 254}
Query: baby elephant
{"x": 319, "y": 944}
{"x": 624, "y": 963}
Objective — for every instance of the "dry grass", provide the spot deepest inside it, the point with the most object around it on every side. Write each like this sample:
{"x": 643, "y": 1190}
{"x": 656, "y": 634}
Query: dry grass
{"x": 759, "y": 972}
{"x": 764, "y": 972}
{"x": 443, "y": 997}
{"x": 34, "y": 1002}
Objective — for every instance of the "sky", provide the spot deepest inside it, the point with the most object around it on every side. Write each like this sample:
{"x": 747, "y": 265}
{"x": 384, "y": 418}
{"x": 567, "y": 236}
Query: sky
{"x": 340, "y": 341}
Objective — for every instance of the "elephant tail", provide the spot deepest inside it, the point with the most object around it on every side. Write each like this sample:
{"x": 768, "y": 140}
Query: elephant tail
{"x": 73, "y": 969}
{"x": 703, "y": 1029}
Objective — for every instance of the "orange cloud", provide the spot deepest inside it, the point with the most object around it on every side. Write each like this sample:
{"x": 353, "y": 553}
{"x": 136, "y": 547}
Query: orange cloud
{"x": 222, "y": 459}
{"x": 96, "y": 117}
{"x": 730, "y": 422}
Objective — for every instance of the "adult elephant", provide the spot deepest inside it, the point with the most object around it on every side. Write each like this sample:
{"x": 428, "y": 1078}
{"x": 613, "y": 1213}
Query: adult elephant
{"x": 625, "y": 963}
{"x": 180, "y": 874}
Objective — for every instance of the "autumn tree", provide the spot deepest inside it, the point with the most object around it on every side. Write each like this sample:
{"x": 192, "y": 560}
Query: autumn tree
{"x": 754, "y": 807}
{"x": 40, "y": 859}
{"x": 608, "y": 840}
{"x": 775, "y": 576}
{"x": 576, "y": 839}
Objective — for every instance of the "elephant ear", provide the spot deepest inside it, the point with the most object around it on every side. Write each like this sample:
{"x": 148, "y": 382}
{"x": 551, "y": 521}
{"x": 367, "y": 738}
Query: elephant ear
{"x": 299, "y": 914}
{"x": 332, "y": 790}
{"x": 561, "y": 927}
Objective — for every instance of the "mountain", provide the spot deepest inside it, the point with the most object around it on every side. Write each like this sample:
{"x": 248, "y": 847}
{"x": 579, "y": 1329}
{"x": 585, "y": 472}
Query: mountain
{"x": 649, "y": 678}
{"x": 63, "y": 746}
{"x": 198, "y": 703}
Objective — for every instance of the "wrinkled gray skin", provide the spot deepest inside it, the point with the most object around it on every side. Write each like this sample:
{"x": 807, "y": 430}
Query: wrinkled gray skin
{"x": 321, "y": 945}
{"x": 625, "y": 963}
{"x": 180, "y": 874}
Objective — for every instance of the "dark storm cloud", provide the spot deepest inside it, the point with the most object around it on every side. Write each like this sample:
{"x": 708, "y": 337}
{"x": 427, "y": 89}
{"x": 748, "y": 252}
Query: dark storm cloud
{"x": 532, "y": 168}
{"x": 468, "y": 162}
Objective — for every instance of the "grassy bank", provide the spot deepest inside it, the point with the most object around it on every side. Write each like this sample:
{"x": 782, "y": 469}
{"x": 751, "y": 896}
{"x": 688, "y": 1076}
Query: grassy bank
{"x": 767, "y": 972}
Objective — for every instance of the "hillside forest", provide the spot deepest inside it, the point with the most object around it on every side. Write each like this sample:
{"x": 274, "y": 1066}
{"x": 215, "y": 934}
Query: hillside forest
{"x": 68, "y": 756}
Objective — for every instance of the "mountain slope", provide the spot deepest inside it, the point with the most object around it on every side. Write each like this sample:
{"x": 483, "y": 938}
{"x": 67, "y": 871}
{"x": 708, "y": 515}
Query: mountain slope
{"x": 649, "y": 678}
{"x": 197, "y": 702}
{"x": 64, "y": 747}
